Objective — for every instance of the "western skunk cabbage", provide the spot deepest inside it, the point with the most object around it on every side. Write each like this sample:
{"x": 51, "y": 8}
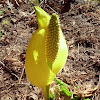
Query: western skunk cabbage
{"x": 47, "y": 51}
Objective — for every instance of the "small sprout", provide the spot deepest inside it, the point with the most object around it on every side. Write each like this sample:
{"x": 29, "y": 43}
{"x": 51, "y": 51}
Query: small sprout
{"x": 60, "y": 82}
{"x": 51, "y": 96}
{"x": 77, "y": 87}
{"x": 63, "y": 87}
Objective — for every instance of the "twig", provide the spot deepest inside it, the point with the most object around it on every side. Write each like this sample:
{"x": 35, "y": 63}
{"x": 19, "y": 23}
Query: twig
{"x": 39, "y": 6}
{"x": 52, "y": 9}
{"x": 45, "y": 2}
{"x": 21, "y": 75}
{"x": 9, "y": 70}
{"x": 78, "y": 51}
{"x": 8, "y": 89}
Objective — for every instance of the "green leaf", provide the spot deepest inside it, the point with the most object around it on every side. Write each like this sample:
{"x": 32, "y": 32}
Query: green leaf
{"x": 63, "y": 87}
{"x": 65, "y": 90}
{"x": 60, "y": 82}
{"x": 77, "y": 87}
{"x": 51, "y": 96}
{"x": 87, "y": 99}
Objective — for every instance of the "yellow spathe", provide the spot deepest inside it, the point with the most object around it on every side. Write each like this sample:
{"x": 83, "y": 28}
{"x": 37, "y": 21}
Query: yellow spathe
{"x": 47, "y": 51}
{"x": 36, "y": 67}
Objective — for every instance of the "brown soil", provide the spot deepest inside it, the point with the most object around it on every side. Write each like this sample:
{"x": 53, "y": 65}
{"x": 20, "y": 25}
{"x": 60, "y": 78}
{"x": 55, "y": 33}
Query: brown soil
{"x": 80, "y": 24}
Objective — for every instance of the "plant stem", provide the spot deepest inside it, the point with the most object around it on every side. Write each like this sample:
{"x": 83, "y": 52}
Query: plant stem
{"x": 45, "y": 90}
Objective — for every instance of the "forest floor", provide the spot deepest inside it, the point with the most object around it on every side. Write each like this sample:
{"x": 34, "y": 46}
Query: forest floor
{"x": 80, "y": 23}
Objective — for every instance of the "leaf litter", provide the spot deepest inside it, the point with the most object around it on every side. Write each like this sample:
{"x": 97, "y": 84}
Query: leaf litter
{"x": 81, "y": 27}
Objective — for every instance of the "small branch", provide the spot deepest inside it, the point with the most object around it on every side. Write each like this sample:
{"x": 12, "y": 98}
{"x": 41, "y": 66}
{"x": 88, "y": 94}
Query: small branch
{"x": 52, "y": 9}
{"x": 21, "y": 75}
{"x": 8, "y": 70}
